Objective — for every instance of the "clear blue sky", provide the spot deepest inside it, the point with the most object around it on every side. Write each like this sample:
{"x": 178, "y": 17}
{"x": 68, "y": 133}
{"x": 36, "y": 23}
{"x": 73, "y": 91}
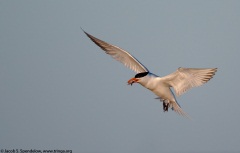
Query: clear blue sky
{"x": 58, "y": 90}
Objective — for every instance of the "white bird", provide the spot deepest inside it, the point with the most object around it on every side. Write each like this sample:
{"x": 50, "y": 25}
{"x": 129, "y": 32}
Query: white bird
{"x": 181, "y": 80}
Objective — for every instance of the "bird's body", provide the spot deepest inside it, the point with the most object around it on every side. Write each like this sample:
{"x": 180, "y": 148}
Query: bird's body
{"x": 157, "y": 86}
{"x": 181, "y": 80}
{"x": 162, "y": 90}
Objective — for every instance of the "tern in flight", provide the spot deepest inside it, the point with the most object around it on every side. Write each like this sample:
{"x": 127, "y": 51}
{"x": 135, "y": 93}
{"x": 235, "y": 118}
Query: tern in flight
{"x": 181, "y": 80}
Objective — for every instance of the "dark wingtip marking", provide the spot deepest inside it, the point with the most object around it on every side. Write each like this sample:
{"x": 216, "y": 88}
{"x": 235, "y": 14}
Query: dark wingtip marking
{"x": 95, "y": 40}
{"x": 85, "y": 32}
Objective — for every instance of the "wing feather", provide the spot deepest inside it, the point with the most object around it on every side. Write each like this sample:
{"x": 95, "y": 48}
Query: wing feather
{"x": 119, "y": 54}
{"x": 186, "y": 78}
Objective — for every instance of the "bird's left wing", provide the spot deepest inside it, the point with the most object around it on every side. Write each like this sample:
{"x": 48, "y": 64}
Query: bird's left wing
{"x": 186, "y": 78}
{"x": 119, "y": 54}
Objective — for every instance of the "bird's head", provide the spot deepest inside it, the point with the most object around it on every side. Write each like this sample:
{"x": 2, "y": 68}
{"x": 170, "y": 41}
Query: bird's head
{"x": 137, "y": 78}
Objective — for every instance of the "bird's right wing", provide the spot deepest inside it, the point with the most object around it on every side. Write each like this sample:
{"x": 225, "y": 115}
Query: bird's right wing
{"x": 186, "y": 78}
{"x": 119, "y": 54}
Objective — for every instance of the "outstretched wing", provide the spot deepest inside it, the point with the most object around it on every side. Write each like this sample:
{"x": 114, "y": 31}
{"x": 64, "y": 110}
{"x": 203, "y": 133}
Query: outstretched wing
{"x": 186, "y": 78}
{"x": 119, "y": 54}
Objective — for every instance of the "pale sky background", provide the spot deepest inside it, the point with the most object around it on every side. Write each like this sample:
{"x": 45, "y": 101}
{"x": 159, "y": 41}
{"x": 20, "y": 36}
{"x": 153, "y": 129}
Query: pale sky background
{"x": 58, "y": 90}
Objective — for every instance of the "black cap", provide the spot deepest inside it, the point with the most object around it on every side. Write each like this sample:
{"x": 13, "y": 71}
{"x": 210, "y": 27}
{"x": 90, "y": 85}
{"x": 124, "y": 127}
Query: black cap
{"x": 140, "y": 75}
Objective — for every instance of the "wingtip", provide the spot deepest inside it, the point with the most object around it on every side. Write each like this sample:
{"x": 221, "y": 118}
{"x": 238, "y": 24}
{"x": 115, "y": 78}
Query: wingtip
{"x": 84, "y": 31}
{"x": 214, "y": 70}
{"x": 90, "y": 36}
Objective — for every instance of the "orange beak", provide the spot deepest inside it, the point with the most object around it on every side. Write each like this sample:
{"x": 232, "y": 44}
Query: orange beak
{"x": 132, "y": 80}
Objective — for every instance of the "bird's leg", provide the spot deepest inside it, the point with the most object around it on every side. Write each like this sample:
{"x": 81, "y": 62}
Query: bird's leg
{"x": 165, "y": 106}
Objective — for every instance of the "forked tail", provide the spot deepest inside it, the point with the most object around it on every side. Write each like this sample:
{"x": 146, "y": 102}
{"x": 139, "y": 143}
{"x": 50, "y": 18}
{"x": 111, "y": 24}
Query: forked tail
{"x": 174, "y": 106}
